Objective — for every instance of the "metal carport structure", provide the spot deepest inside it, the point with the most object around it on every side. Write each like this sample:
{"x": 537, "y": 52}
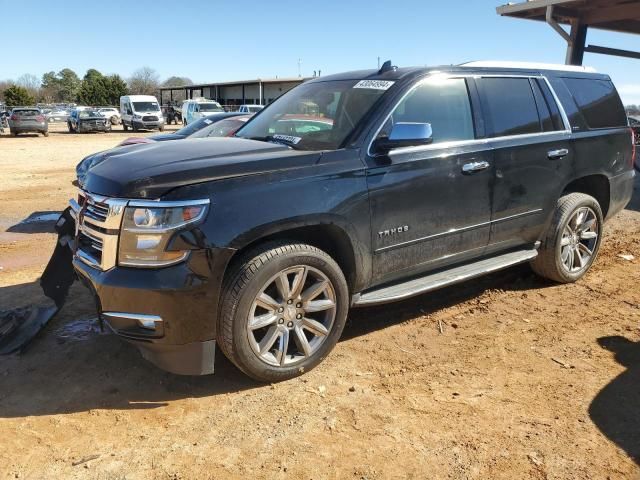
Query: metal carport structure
{"x": 621, "y": 16}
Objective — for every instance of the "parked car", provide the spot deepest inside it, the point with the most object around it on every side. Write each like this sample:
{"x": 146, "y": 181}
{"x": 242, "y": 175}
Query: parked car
{"x": 206, "y": 124}
{"x": 27, "y": 120}
{"x": 111, "y": 113}
{"x": 87, "y": 120}
{"x": 171, "y": 115}
{"x": 261, "y": 243}
{"x": 57, "y": 116}
{"x": 197, "y": 108}
{"x": 224, "y": 128}
{"x": 141, "y": 112}
{"x": 250, "y": 108}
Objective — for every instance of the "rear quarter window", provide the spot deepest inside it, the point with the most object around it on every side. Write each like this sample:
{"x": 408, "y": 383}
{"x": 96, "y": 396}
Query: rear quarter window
{"x": 598, "y": 101}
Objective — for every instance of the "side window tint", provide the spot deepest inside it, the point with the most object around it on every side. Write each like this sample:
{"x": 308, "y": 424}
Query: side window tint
{"x": 558, "y": 123}
{"x": 599, "y": 102}
{"x": 509, "y": 106}
{"x": 442, "y": 103}
{"x": 543, "y": 108}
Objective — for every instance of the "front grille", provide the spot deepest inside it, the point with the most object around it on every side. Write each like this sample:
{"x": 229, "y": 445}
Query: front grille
{"x": 98, "y": 226}
{"x": 149, "y": 118}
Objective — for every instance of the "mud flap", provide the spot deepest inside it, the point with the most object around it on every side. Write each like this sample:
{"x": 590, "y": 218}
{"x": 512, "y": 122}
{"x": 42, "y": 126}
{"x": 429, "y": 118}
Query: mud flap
{"x": 19, "y": 326}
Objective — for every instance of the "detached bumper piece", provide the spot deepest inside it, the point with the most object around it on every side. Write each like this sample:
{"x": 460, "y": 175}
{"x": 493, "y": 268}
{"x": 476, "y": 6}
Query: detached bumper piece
{"x": 19, "y": 326}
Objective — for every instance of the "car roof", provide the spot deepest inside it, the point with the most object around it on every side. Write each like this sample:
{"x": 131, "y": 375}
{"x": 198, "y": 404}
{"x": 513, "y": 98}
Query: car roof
{"x": 504, "y": 68}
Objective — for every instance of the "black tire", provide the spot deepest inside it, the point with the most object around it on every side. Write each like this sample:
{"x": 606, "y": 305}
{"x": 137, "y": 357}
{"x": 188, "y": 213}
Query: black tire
{"x": 45, "y": 134}
{"x": 113, "y": 120}
{"x": 549, "y": 263}
{"x": 133, "y": 127}
{"x": 125, "y": 127}
{"x": 161, "y": 128}
{"x": 14, "y": 134}
{"x": 244, "y": 282}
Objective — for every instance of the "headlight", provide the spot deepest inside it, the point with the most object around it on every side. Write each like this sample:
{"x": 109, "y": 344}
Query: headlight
{"x": 137, "y": 117}
{"x": 147, "y": 229}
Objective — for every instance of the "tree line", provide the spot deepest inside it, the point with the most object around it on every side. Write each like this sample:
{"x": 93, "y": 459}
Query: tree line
{"x": 94, "y": 88}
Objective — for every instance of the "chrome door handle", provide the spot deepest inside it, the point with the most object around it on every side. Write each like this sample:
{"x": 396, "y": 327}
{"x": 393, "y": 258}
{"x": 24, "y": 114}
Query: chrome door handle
{"x": 474, "y": 167}
{"x": 557, "y": 154}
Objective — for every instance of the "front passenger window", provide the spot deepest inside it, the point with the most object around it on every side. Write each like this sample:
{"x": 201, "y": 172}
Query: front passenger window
{"x": 443, "y": 103}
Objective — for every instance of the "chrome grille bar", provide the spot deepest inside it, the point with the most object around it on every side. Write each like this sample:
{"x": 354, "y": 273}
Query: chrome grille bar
{"x": 98, "y": 222}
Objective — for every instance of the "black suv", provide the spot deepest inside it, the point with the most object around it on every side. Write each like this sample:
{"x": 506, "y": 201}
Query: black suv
{"x": 354, "y": 189}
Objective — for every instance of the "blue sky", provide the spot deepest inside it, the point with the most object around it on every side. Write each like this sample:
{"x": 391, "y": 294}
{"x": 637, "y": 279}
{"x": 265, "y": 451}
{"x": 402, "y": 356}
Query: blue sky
{"x": 223, "y": 40}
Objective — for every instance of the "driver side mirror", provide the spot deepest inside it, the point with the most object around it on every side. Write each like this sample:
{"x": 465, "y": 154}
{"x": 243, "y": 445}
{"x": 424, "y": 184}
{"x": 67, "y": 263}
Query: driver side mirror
{"x": 405, "y": 135}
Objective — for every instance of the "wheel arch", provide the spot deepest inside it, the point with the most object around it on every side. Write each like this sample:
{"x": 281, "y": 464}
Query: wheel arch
{"x": 330, "y": 237}
{"x": 596, "y": 186}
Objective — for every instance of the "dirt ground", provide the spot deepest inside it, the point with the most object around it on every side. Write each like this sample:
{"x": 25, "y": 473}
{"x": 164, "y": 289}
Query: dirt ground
{"x": 506, "y": 377}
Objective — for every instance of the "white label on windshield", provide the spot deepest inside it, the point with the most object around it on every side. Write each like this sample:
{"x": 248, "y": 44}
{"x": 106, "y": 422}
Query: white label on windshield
{"x": 287, "y": 138}
{"x": 374, "y": 84}
{"x": 207, "y": 121}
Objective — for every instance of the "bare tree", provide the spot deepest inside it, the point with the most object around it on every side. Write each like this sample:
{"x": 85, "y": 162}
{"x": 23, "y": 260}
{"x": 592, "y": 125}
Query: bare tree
{"x": 144, "y": 81}
{"x": 31, "y": 83}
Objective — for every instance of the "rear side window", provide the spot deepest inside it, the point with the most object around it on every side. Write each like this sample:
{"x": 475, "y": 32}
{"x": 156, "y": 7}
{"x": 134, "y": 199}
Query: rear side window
{"x": 442, "y": 103}
{"x": 509, "y": 106}
{"x": 598, "y": 101}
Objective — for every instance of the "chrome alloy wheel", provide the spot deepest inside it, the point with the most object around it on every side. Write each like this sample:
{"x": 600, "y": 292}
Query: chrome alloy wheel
{"x": 579, "y": 240}
{"x": 291, "y": 316}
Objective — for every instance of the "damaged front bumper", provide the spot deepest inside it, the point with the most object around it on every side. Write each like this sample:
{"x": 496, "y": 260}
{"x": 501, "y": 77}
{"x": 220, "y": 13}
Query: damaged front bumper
{"x": 168, "y": 313}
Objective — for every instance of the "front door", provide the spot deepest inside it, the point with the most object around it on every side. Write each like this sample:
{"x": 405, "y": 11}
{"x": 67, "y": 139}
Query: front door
{"x": 431, "y": 205}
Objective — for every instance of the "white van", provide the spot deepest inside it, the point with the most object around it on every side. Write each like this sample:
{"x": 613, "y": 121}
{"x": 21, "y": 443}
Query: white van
{"x": 141, "y": 111}
{"x": 197, "y": 108}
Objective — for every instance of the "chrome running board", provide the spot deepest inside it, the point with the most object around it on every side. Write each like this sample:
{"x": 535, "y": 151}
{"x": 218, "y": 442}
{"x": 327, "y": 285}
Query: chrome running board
{"x": 434, "y": 281}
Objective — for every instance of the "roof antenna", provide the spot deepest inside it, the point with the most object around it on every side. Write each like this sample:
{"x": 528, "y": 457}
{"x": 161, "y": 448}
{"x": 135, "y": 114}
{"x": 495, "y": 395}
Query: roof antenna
{"x": 387, "y": 67}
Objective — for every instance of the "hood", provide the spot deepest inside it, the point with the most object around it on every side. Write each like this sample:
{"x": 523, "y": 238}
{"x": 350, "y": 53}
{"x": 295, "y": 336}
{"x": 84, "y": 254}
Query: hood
{"x": 161, "y": 137}
{"x": 151, "y": 170}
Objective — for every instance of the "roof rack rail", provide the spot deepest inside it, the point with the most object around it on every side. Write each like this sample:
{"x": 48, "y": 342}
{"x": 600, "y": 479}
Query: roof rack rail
{"x": 528, "y": 65}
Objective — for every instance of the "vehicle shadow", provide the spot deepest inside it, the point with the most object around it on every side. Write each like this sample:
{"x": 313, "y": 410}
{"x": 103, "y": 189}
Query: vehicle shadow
{"x": 84, "y": 370}
{"x": 616, "y": 408}
{"x": 37, "y": 222}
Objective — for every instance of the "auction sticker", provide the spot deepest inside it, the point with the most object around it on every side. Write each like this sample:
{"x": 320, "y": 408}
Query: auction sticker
{"x": 374, "y": 84}
{"x": 287, "y": 138}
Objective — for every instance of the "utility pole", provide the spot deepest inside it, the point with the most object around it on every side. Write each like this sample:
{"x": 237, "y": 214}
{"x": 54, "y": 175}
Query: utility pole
{"x": 300, "y": 68}
{"x": 378, "y": 63}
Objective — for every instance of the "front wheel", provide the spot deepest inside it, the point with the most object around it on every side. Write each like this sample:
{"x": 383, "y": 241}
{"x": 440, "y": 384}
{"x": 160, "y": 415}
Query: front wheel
{"x": 283, "y": 310}
{"x": 572, "y": 240}
{"x": 125, "y": 127}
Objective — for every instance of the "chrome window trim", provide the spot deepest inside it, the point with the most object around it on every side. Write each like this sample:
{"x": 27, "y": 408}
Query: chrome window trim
{"x": 475, "y": 141}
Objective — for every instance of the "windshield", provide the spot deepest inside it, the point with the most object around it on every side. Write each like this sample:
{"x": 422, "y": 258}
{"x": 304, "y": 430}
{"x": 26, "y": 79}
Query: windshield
{"x": 210, "y": 107}
{"x": 223, "y": 128}
{"x": 146, "y": 106}
{"x": 316, "y": 116}
{"x": 89, "y": 113}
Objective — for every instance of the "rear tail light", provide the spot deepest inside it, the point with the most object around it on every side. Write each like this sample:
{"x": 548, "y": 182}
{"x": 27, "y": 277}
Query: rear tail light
{"x": 14, "y": 117}
{"x": 40, "y": 118}
{"x": 633, "y": 147}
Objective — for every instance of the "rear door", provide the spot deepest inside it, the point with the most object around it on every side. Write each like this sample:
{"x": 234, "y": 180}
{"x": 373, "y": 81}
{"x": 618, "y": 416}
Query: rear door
{"x": 428, "y": 207}
{"x": 532, "y": 155}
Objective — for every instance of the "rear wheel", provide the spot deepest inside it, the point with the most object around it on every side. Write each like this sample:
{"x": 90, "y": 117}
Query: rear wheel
{"x": 45, "y": 134}
{"x": 572, "y": 240}
{"x": 283, "y": 309}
